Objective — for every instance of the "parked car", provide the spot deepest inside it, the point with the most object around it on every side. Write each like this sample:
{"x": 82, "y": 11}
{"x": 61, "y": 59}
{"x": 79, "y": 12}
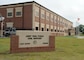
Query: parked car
{"x": 10, "y": 31}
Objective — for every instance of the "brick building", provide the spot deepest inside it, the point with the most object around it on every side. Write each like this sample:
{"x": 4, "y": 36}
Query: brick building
{"x": 33, "y": 16}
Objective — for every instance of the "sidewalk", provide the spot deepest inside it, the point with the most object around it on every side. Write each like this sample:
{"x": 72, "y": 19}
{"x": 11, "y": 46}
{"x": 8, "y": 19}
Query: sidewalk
{"x": 80, "y": 37}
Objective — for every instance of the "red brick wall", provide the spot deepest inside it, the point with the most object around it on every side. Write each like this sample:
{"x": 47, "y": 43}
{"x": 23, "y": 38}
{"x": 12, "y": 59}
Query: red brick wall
{"x": 28, "y": 17}
{"x": 15, "y": 49}
{"x": 24, "y": 22}
{"x": 3, "y": 13}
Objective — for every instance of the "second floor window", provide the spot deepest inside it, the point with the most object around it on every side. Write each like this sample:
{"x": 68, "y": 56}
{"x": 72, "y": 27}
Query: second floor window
{"x": 37, "y": 13}
{"x": 9, "y": 12}
{"x": 18, "y": 13}
{"x": 43, "y": 16}
{"x": 47, "y": 17}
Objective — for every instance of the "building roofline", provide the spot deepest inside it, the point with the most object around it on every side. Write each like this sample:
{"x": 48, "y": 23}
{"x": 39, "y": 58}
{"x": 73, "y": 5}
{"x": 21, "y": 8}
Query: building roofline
{"x": 36, "y": 3}
{"x": 52, "y": 11}
{"x": 16, "y": 3}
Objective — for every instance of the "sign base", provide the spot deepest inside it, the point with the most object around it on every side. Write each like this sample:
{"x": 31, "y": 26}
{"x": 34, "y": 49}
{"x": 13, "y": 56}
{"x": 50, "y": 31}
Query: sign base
{"x": 14, "y": 46}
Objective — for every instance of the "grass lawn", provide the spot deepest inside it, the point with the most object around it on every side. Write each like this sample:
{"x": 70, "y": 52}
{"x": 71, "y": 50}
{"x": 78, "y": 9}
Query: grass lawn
{"x": 67, "y": 48}
{"x": 81, "y": 34}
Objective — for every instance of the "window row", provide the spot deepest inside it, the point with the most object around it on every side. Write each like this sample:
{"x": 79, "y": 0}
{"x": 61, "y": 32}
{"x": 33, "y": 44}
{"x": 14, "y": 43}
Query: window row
{"x": 42, "y": 29}
{"x": 18, "y": 12}
{"x": 47, "y": 17}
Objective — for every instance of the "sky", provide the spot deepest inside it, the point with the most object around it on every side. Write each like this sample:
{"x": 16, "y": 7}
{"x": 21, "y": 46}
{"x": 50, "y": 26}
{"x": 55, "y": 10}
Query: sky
{"x": 69, "y": 9}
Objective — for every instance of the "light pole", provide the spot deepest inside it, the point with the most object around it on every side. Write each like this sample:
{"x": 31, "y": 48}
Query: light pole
{"x": 1, "y": 20}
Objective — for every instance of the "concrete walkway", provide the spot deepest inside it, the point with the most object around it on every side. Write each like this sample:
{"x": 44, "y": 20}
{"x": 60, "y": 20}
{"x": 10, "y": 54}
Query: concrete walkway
{"x": 80, "y": 37}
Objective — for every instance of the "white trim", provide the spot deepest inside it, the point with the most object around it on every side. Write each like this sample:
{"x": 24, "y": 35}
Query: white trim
{"x": 37, "y": 24}
{"x": 9, "y": 10}
{"x": 51, "y": 26}
{"x": 47, "y": 26}
{"x": 33, "y": 17}
{"x": 36, "y": 11}
{"x": 9, "y": 6}
{"x": 54, "y": 27}
{"x": 9, "y": 24}
{"x": 18, "y": 9}
{"x": 42, "y": 25}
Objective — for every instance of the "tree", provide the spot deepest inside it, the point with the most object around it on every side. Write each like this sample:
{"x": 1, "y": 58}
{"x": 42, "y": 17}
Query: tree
{"x": 81, "y": 28}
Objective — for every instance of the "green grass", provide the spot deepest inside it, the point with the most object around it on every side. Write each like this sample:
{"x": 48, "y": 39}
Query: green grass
{"x": 67, "y": 48}
{"x": 4, "y": 45}
{"x": 81, "y": 34}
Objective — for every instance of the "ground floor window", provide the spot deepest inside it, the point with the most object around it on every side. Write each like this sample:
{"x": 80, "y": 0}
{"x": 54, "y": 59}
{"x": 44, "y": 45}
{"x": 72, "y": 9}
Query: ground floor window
{"x": 42, "y": 29}
{"x": 47, "y": 29}
{"x": 51, "y": 29}
{"x": 55, "y": 30}
{"x": 36, "y": 28}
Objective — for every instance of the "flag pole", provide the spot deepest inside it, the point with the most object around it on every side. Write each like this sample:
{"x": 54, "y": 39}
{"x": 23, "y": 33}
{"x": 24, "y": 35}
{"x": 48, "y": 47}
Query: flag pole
{"x": 78, "y": 26}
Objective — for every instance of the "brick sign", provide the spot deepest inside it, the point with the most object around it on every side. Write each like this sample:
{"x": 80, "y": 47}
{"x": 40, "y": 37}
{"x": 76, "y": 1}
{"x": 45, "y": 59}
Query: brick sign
{"x": 31, "y": 41}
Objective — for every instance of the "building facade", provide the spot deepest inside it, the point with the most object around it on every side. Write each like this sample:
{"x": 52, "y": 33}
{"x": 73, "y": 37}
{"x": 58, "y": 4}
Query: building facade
{"x": 33, "y": 16}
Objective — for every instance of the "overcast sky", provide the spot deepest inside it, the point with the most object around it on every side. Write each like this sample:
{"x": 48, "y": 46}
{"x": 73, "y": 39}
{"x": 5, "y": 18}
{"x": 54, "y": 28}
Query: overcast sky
{"x": 70, "y": 9}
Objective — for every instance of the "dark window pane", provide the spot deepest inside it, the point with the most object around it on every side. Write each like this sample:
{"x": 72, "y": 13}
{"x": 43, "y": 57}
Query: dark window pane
{"x": 18, "y": 13}
{"x": 36, "y": 28}
{"x": 51, "y": 29}
{"x": 55, "y": 30}
{"x": 42, "y": 29}
{"x": 10, "y": 14}
{"x": 47, "y": 29}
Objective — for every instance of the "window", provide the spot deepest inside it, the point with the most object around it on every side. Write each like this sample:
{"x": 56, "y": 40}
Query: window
{"x": 55, "y": 19}
{"x": 42, "y": 16}
{"x": 18, "y": 11}
{"x": 47, "y": 17}
{"x": 55, "y": 30}
{"x": 9, "y": 12}
{"x": 42, "y": 29}
{"x": 47, "y": 29}
{"x": 36, "y": 10}
{"x": 36, "y": 28}
{"x": 37, "y": 13}
{"x": 52, "y": 19}
{"x": 51, "y": 29}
